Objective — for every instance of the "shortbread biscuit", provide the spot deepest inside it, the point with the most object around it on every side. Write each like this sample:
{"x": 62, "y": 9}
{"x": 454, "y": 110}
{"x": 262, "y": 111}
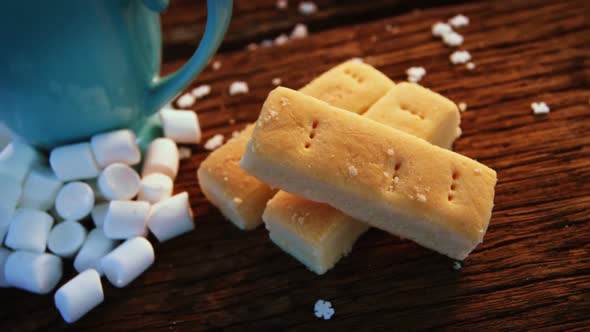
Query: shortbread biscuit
{"x": 239, "y": 196}
{"x": 420, "y": 112}
{"x": 317, "y": 234}
{"x": 385, "y": 177}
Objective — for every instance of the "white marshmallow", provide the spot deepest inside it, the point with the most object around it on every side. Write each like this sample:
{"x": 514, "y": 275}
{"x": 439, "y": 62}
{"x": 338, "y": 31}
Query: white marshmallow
{"x": 40, "y": 189}
{"x": 74, "y": 162}
{"x": 74, "y": 201}
{"x": 162, "y": 157}
{"x": 96, "y": 246}
{"x": 98, "y": 213}
{"x": 155, "y": 187}
{"x": 126, "y": 219}
{"x": 181, "y": 126}
{"x": 118, "y": 182}
{"x": 79, "y": 295}
{"x": 10, "y": 194}
{"x": 117, "y": 146}
{"x": 34, "y": 272}
{"x": 171, "y": 217}
{"x": 66, "y": 238}
{"x": 17, "y": 159}
{"x": 128, "y": 261}
{"x": 3, "y": 256}
{"x": 29, "y": 230}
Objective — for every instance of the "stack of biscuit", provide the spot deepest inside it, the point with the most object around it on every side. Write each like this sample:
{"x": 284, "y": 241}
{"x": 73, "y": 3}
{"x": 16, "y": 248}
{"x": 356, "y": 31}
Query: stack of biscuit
{"x": 352, "y": 150}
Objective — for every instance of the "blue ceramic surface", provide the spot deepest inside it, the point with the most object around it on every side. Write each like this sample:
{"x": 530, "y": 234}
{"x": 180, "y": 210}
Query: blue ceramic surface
{"x": 73, "y": 68}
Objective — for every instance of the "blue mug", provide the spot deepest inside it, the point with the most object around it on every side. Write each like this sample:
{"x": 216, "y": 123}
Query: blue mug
{"x": 73, "y": 68}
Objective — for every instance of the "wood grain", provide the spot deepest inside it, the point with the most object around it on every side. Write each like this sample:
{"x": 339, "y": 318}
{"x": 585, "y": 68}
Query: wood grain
{"x": 532, "y": 272}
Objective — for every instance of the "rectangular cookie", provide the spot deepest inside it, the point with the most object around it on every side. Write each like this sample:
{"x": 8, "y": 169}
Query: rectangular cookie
{"x": 317, "y": 234}
{"x": 385, "y": 177}
{"x": 241, "y": 197}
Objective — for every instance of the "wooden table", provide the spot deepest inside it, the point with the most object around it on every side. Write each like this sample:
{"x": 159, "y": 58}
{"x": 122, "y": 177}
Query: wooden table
{"x": 532, "y": 272}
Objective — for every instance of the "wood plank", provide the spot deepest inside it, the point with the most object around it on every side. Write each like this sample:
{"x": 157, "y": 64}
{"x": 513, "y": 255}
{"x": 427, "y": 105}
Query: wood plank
{"x": 532, "y": 272}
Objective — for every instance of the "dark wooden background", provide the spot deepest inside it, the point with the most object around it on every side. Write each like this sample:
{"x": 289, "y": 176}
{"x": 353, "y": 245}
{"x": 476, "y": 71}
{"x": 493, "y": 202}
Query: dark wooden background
{"x": 532, "y": 272}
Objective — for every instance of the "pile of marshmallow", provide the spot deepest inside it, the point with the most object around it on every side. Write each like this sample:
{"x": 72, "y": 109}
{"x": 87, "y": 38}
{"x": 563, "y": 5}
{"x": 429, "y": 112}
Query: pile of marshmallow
{"x": 43, "y": 204}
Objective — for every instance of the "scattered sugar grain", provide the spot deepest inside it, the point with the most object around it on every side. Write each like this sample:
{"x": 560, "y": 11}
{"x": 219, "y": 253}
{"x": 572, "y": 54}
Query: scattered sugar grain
{"x": 352, "y": 171}
{"x": 453, "y": 39}
{"x": 214, "y": 142}
{"x": 540, "y": 108}
{"x": 460, "y": 57}
{"x": 266, "y": 43}
{"x": 415, "y": 74}
{"x": 282, "y": 4}
{"x": 470, "y": 66}
{"x": 307, "y": 8}
{"x": 276, "y": 81}
{"x": 457, "y": 266}
{"x": 238, "y": 87}
{"x": 186, "y": 100}
{"x": 421, "y": 198}
{"x": 323, "y": 309}
{"x": 252, "y": 46}
{"x": 462, "y": 106}
{"x": 201, "y": 91}
{"x": 237, "y": 200}
{"x": 299, "y": 31}
{"x": 390, "y": 152}
{"x": 459, "y": 21}
{"x": 216, "y": 65}
{"x": 440, "y": 29}
{"x": 281, "y": 39}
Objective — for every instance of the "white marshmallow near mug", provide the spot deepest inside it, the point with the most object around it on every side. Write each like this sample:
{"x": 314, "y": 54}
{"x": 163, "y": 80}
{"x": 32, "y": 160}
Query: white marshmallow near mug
{"x": 96, "y": 246}
{"x": 40, "y": 189}
{"x": 29, "y": 230}
{"x": 117, "y": 146}
{"x": 74, "y": 201}
{"x": 17, "y": 159}
{"x": 128, "y": 261}
{"x": 37, "y": 273}
{"x": 155, "y": 187}
{"x": 126, "y": 219}
{"x": 66, "y": 238}
{"x": 10, "y": 194}
{"x": 98, "y": 213}
{"x": 3, "y": 256}
{"x": 74, "y": 162}
{"x": 162, "y": 157}
{"x": 118, "y": 182}
{"x": 181, "y": 126}
{"x": 171, "y": 217}
{"x": 79, "y": 295}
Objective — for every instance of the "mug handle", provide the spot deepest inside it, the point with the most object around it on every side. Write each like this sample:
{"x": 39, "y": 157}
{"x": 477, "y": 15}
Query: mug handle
{"x": 218, "y": 17}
